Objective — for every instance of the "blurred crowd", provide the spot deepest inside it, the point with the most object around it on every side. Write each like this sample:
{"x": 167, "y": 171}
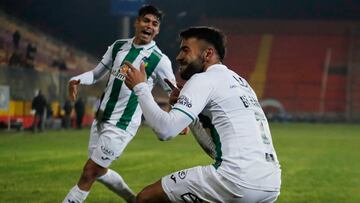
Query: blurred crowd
{"x": 41, "y": 62}
{"x": 71, "y": 114}
{"x": 23, "y": 45}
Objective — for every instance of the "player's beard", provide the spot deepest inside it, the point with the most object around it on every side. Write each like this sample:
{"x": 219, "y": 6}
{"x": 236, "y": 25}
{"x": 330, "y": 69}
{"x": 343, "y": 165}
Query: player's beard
{"x": 195, "y": 66}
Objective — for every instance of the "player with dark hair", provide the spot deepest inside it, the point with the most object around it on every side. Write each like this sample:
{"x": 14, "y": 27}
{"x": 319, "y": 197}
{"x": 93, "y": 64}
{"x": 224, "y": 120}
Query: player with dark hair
{"x": 227, "y": 121}
{"x": 119, "y": 114}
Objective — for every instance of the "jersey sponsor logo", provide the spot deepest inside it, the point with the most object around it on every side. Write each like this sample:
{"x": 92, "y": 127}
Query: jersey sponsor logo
{"x": 120, "y": 73}
{"x": 191, "y": 198}
{"x": 183, "y": 100}
{"x": 107, "y": 151}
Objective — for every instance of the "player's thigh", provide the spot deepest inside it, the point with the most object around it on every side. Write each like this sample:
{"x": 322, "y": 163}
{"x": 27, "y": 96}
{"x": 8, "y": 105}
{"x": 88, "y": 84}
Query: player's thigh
{"x": 258, "y": 196}
{"x": 198, "y": 184}
{"x": 110, "y": 144}
{"x": 204, "y": 184}
{"x": 94, "y": 137}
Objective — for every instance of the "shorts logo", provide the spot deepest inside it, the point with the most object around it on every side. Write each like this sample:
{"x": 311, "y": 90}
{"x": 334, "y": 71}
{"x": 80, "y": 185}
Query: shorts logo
{"x": 191, "y": 198}
{"x": 184, "y": 101}
{"x": 107, "y": 151}
{"x": 182, "y": 174}
{"x": 173, "y": 178}
{"x": 105, "y": 158}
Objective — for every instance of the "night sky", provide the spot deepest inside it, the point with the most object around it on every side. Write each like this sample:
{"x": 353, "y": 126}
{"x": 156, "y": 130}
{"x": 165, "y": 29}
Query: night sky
{"x": 89, "y": 25}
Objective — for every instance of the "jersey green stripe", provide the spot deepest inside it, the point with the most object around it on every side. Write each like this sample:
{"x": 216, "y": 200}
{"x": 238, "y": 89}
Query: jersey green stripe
{"x": 116, "y": 48}
{"x": 206, "y": 122}
{"x": 216, "y": 138}
{"x": 128, "y": 112}
{"x": 131, "y": 106}
{"x": 115, "y": 91}
{"x": 152, "y": 62}
{"x": 185, "y": 113}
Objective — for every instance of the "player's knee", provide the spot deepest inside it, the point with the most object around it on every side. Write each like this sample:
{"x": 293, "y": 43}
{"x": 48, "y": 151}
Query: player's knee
{"x": 89, "y": 173}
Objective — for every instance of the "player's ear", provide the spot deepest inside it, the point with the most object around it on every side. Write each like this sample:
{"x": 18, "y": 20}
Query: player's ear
{"x": 209, "y": 53}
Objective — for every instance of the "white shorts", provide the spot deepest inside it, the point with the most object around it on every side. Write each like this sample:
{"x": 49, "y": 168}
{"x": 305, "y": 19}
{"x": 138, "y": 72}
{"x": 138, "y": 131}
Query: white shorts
{"x": 204, "y": 184}
{"x": 107, "y": 142}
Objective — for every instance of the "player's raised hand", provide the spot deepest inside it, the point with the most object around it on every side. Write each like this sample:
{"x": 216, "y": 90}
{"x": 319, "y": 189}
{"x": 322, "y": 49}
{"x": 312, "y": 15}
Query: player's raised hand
{"x": 175, "y": 91}
{"x": 134, "y": 76}
{"x": 73, "y": 89}
{"x": 171, "y": 84}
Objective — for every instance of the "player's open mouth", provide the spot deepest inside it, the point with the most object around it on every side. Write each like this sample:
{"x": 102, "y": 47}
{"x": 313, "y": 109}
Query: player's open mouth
{"x": 146, "y": 32}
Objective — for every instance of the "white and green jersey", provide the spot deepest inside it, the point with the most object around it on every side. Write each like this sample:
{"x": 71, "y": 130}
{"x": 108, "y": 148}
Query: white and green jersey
{"x": 119, "y": 104}
{"x": 228, "y": 106}
{"x": 239, "y": 139}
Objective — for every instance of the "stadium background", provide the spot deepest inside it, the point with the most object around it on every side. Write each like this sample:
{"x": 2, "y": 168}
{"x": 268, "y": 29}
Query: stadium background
{"x": 302, "y": 58}
{"x": 283, "y": 48}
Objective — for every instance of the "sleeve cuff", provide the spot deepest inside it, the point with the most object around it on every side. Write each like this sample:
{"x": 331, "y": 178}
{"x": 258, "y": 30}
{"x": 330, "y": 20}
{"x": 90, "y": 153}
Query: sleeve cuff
{"x": 140, "y": 88}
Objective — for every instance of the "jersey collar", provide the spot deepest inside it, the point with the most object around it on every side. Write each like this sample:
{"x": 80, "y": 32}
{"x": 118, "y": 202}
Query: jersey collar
{"x": 144, "y": 47}
{"x": 216, "y": 66}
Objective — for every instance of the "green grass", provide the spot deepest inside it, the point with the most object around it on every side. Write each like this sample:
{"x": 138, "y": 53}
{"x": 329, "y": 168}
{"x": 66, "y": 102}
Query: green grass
{"x": 320, "y": 163}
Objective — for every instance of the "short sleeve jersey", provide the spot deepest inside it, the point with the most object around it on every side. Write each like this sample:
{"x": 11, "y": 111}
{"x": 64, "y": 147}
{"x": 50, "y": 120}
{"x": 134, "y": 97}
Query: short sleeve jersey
{"x": 119, "y": 104}
{"x": 238, "y": 126}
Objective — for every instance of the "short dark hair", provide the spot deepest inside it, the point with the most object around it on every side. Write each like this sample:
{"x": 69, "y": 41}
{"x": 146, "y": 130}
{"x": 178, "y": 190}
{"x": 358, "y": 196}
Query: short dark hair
{"x": 149, "y": 9}
{"x": 211, "y": 35}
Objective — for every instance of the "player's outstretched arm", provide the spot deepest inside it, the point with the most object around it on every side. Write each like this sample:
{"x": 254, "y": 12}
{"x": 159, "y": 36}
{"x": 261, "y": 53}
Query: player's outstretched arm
{"x": 173, "y": 97}
{"x": 87, "y": 78}
{"x": 166, "y": 124}
{"x": 73, "y": 89}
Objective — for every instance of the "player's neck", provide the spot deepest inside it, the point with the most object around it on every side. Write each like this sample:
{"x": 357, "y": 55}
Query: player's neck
{"x": 210, "y": 63}
{"x": 139, "y": 42}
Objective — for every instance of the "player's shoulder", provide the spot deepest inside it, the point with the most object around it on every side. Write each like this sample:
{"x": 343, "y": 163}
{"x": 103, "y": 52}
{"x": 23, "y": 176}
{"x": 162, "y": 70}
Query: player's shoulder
{"x": 157, "y": 51}
{"x": 210, "y": 78}
{"x": 121, "y": 42}
{"x": 218, "y": 72}
{"x": 200, "y": 79}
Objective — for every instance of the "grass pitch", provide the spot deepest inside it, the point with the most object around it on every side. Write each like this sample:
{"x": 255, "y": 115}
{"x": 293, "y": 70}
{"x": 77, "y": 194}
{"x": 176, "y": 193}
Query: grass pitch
{"x": 320, "y": 163}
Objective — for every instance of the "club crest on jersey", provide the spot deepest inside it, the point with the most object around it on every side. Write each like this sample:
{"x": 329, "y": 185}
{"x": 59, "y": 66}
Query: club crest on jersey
{"x": 145, "y": 60}
{"x": 121, "y": 72}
